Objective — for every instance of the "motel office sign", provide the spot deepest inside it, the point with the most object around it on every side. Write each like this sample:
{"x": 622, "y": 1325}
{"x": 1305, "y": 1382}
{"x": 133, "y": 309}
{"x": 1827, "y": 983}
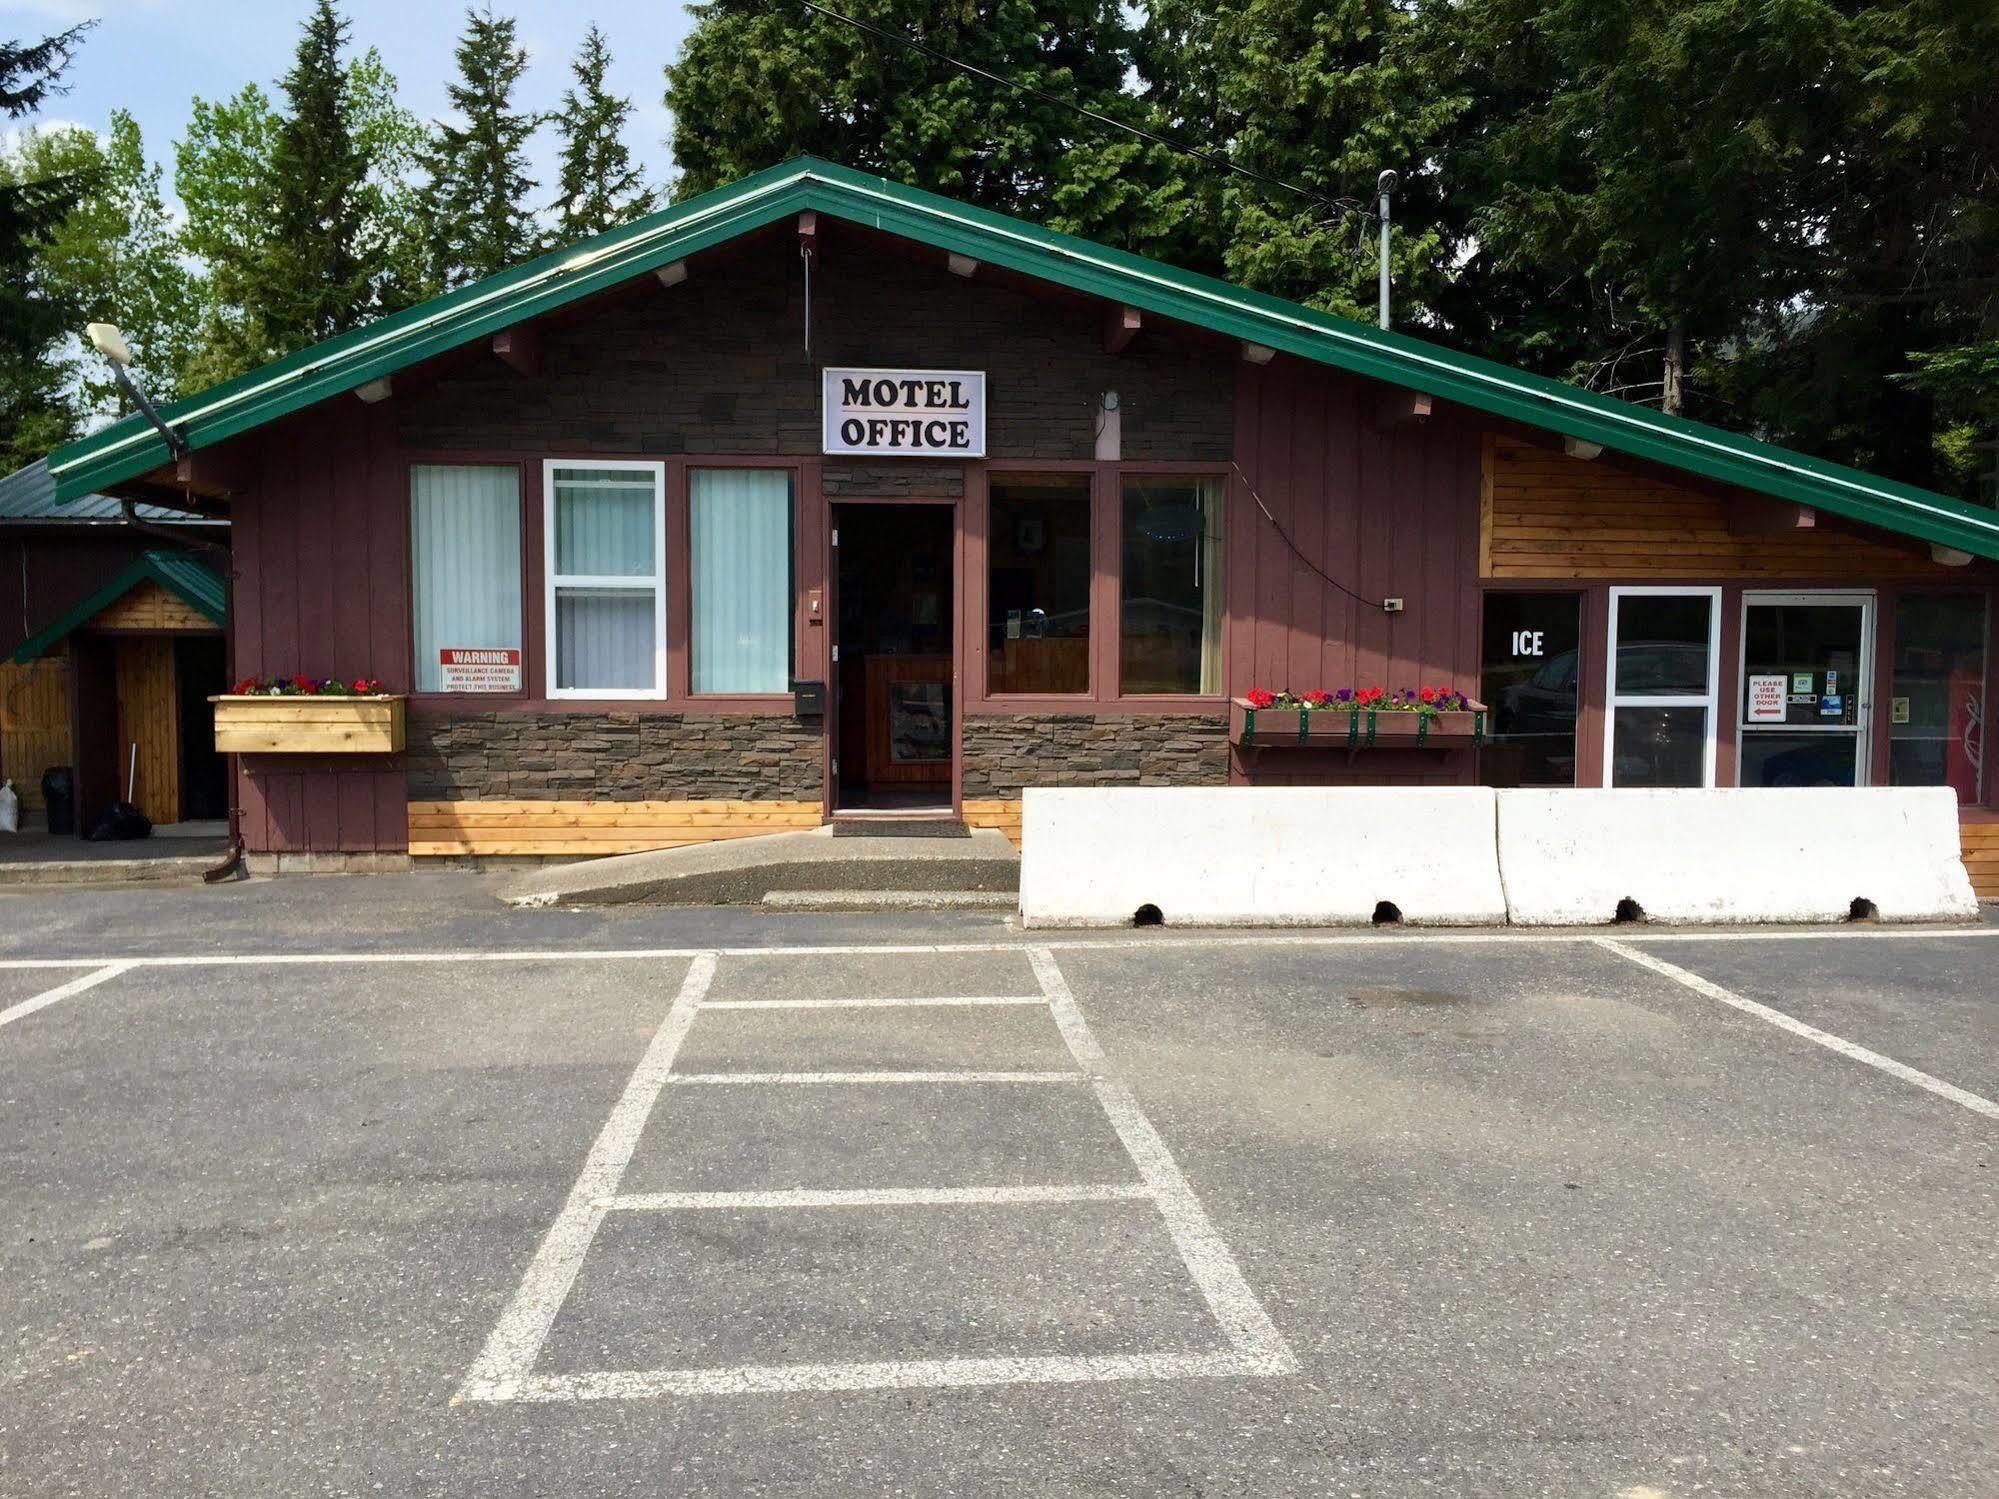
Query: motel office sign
{"x": 904, "y": 413}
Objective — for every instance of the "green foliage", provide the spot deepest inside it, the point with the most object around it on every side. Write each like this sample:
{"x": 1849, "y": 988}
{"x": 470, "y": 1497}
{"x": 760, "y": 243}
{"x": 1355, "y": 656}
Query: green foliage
{"x": 115, "y": 255}
{"x": 35, "y": 308}
{"x": 759, "y": 84}
{"x": 260, "y": 186}
{"x": 477, "y": 204}
{"x": 599, "y": 186}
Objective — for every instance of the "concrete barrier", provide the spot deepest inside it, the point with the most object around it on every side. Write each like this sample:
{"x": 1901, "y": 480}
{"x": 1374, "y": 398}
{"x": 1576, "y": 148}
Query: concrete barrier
{"x": 1568, "y": 858}
{"x": 1258, "y": 856}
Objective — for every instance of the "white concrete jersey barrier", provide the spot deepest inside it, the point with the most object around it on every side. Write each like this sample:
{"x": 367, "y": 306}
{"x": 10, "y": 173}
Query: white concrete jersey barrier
{"x": 1262, "y": 856}
{"x": 1569, "y": 857}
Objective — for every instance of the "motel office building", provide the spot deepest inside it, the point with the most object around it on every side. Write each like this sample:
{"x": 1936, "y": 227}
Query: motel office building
{"x": 819, "y": 496}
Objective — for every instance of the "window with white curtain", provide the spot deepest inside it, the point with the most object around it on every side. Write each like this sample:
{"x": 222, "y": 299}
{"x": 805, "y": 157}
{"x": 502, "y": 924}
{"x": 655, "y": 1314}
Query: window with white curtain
{"x": 465, "y": 563}
{"x": 605, "y": 540}
{"x": 739, "y": 535}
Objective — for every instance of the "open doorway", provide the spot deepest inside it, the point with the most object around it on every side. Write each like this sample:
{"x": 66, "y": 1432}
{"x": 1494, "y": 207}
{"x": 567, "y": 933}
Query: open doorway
{"x": 893, "y": 734}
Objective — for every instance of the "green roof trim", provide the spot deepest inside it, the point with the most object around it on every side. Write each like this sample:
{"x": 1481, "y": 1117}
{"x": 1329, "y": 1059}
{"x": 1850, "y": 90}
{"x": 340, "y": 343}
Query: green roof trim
{"x": 196, "y": 585}
{"x": 130, "y": 447}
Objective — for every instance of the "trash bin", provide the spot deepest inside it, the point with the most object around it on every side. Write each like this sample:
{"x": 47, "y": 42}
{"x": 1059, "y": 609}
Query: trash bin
{"x": 59, "y": 796}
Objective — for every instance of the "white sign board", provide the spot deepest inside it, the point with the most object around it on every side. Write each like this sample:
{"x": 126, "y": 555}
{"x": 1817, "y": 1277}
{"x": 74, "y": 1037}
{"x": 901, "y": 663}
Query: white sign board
{"x": 478, "y": 669}
{"x": 1767, "y": 698}
{"x": 904, "y": 413}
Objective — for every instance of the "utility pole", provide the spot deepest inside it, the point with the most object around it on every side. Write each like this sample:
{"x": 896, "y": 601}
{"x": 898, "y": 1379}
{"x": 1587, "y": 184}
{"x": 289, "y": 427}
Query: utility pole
{"x": 1385, "y": 185}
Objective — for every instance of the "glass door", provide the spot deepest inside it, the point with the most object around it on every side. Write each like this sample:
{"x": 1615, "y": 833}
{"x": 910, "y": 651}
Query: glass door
{"x": 1807, "y": 664}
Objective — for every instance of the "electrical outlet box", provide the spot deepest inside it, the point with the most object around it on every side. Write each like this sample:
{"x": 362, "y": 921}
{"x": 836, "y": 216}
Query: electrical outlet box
{"x": 1391, "y": 606}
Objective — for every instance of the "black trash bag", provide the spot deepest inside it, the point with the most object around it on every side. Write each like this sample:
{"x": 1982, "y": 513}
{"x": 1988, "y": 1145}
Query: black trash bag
{"x": 59, "y": 798}
{"x": 120, "y": 820}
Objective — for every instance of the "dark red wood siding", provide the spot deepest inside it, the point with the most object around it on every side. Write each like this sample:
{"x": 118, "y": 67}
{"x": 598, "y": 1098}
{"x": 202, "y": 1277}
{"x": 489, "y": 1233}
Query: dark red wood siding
{"x": 322, "y": 589}
{"x": 1385, "y": 510}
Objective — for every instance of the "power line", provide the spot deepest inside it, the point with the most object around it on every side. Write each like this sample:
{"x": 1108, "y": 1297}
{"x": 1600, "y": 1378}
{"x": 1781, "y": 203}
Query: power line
{"x": 1296, "y": 550}
{"x": 1344, "y": 208}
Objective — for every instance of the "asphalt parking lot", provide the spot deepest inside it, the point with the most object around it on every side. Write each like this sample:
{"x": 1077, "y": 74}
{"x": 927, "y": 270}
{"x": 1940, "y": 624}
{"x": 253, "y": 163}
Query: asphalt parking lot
{"x": 366, "y": 1186}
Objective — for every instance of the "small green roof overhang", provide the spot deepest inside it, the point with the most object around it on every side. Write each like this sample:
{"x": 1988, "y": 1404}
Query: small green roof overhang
{"x": 194, "y": 584}
{"x": 131, "y": 447}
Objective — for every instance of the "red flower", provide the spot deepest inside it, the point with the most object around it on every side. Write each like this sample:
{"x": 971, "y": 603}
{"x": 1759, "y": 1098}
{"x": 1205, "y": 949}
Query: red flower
{"x": 244, "y": 688}
{"x": 362, "y": 685}
{"x": 1315, "y": 699}
{"x": 1259, "y": 697}
{"x": 1429, "y": 694}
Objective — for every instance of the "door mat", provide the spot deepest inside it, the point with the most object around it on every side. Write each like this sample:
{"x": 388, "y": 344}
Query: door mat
{"x": 898, "y": 827}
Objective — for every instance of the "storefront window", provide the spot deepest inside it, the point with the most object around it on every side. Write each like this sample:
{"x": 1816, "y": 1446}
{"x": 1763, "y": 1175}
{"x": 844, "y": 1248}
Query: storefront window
{"x": 1804, "y": 677}
{"x": 1529, "y": 685}
{"x": 606, "y": 589}
{"x": 739, "y": 533}
{"x": 465, "y": 572}
{"x": 1936, "y": 699}
{"x": 1662, "y": 687}
{"x": 1038, "y": 584}
{"x": 1170, "y": 624}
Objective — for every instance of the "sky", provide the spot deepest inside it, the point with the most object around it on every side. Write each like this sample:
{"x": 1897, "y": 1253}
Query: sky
{"x": 153, "y": 56}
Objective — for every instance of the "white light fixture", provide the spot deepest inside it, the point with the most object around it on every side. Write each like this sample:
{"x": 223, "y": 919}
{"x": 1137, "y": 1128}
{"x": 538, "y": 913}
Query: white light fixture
{"x": 108, "y": 341}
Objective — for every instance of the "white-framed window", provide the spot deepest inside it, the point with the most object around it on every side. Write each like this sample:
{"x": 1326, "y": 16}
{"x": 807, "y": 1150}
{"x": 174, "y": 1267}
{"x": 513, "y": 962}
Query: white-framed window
{"x": 604, "y": 549}
{"x": 465, "y": 573}
{"x": 739, "y": 577}
{"x": 1664, "y": 676}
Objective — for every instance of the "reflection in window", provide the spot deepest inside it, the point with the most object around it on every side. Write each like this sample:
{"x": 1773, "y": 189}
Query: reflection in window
{"x": 1936, "y": 695}
{"x": 1528, "y": 684}
{"x": 1038, "y": 583}
{"x": 1170, "y": 619}
{"x": 1662, "y": 688}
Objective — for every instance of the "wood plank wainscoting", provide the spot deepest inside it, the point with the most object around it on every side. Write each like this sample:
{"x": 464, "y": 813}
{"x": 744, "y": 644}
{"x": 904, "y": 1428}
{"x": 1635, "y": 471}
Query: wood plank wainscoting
{"x": 1003, "y": 814}
{"x": 580, "y": 828}
{"x": 1978, "y": 836}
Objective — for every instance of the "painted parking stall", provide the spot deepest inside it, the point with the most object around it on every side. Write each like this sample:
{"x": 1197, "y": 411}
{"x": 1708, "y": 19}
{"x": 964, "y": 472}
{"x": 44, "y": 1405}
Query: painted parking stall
{"x": 1249, "y": 1345}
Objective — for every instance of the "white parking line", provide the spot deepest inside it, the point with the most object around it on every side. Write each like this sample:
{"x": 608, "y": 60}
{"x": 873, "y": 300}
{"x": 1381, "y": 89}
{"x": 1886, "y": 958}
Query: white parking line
{"x": 515, "y": 1342}
{"x": 1902, "y": 1070}
{"x": 875, "y": 1197}
{"x": 505, "y": 1369}
{"x": 904, "y": 1374}
{"x": 43, "y": 1000}
{"x": 873, "y": 1004}
{"x": 1208, "y": 1260}
{"x": 1426, "y": 937}
{"x": 682, "y": 1079}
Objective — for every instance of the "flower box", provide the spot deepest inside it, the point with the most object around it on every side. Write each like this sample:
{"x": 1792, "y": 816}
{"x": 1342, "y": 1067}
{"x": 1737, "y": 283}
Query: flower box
{"x": 309, "y": 724}
{"x": 1340, "y": 726}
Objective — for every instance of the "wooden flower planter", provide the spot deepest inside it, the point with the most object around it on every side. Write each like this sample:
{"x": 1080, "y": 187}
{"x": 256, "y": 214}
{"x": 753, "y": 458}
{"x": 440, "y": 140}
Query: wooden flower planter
{"x": 1354, "y": 728}
{"x": 309, "y": 725}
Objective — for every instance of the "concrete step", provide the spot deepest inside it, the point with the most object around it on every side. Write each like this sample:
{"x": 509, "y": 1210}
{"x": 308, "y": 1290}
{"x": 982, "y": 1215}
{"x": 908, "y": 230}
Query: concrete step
{"x": 744, "y": 871}
{"x": 891, "y": 900}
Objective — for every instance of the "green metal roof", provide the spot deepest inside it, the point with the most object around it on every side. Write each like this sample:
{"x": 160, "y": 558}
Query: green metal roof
{"x": 130, "y": 448}
{"x": 195, "y": 585}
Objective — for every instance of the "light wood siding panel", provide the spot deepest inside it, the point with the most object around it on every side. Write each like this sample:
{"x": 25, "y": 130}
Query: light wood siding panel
{"x": 533, "y": 827}
{"x": 149, "y": 716}
{"x": 34, "y": 723}
{"x": 997, "y": 813}
{"x": 1979, "y": 839}
{"x": 151, "y": 607}
{"x": 1548, "y": 515}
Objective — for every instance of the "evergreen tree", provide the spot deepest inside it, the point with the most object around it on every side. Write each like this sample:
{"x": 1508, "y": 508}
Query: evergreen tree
{"x": 758, "y": 84}
{"x": 599, "y": 186}
{"x": 116, "y": 256}
{"x": 34, "y": 312}
{"x": 317, "y": 282}
{"x": 1315, "y": 94}
{"x": 480, "y": 223}
{"x": 258, "y": 299}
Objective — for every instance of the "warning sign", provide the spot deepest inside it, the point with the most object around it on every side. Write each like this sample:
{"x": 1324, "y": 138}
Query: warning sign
{"x": 1767, "y": 699}
{"x": 478, "y": 669}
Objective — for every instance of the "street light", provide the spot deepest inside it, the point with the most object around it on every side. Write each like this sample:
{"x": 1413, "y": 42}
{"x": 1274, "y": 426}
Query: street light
{"x": 108, "y": 341}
